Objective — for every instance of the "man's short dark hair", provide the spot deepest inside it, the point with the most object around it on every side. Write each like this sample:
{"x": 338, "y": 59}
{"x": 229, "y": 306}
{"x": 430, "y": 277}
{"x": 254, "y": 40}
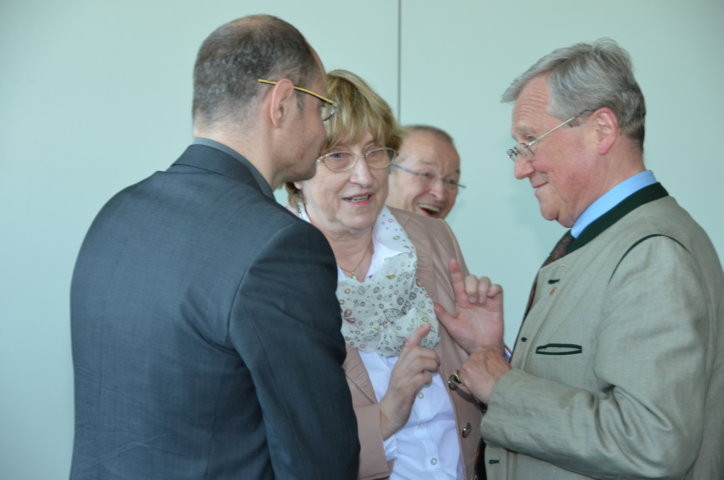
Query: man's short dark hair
{"x": 238, "y": 53}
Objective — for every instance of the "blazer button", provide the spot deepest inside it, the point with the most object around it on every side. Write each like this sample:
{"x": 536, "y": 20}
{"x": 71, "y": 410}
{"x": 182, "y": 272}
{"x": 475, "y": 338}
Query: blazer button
{"x": 466, "y": 430}
{"x": 451, "y": 383}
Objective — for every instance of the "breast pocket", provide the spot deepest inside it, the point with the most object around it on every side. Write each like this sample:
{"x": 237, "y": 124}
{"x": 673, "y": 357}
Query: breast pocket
{"x": 559, "y": 349}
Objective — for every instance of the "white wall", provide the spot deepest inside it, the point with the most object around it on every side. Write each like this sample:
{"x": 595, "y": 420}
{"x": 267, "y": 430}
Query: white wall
{"x": 96, "y": 95}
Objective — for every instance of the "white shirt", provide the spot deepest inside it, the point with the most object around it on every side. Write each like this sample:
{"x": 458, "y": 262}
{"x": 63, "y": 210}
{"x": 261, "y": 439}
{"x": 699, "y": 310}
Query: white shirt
{"x": 427, "y": 447}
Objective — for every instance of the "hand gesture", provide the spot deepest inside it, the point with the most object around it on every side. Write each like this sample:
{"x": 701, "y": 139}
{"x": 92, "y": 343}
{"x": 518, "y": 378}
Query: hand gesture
{"x": 414, "y": 369}
{"x": 479, "y": 305}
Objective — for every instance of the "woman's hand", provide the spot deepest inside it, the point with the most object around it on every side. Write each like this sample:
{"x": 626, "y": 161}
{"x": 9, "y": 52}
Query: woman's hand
{"x": 479, "y": 305}
{"x": 414, "y": 369}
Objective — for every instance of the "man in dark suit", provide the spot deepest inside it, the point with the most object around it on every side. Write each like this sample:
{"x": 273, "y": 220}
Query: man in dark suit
{"x": 205, "y": 328}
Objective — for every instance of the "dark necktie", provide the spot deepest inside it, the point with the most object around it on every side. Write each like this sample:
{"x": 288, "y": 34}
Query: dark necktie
{"x": 558, "y": 251}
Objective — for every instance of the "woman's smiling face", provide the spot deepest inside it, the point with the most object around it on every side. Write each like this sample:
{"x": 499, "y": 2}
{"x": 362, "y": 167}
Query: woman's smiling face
{"x": 348, "y": 202}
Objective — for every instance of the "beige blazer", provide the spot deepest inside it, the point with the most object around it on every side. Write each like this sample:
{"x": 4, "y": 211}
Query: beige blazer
{"x": 436, "y": 245}
{"x": 618, "y": 371}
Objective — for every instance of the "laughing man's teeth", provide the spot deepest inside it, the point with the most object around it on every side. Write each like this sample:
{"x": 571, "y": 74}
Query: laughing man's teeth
{"x": 359, "y": 198}
{"x": 430, "y": 208}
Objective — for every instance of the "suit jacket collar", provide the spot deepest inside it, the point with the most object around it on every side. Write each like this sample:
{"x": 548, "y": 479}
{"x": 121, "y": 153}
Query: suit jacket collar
{"x": 630, "y": 203}
{"x": 217, "y": 158}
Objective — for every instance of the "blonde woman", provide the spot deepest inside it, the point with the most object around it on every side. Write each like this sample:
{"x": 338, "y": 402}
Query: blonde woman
{"x": 392, "y": 267}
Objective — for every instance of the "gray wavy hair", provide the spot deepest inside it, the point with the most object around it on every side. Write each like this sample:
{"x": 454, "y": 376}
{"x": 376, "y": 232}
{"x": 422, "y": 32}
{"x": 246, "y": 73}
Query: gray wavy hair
{"x": 585, "y": 77}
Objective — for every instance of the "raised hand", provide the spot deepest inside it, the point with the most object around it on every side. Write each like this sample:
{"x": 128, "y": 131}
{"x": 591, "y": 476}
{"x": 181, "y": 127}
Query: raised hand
{"x": 414, "y": 369}
{"x": 479, "y": 304}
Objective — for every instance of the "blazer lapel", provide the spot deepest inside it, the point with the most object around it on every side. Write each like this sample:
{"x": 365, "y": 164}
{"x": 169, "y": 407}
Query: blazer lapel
{"x": 425, "y": 268}
{"x": 357, "y": 375}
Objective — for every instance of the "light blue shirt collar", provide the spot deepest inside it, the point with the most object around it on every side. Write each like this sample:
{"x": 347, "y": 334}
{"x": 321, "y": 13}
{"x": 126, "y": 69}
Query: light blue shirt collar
{"x": 612, "y": 198}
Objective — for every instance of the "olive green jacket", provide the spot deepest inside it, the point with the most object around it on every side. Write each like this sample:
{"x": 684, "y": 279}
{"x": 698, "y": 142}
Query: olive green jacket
{"x": 618, "y": 368}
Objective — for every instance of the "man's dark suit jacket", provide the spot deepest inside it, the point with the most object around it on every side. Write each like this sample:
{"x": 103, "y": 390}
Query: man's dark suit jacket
{"x": 206, "y": 334}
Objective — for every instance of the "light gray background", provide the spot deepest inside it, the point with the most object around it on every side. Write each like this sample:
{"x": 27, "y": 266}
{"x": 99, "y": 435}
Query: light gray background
{"x": 96, "y": 95}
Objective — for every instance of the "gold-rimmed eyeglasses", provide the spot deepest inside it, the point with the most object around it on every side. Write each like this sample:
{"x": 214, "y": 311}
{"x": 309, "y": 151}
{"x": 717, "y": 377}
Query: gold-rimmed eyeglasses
{"x": 328, "y": 108}
{"x": 525, "y": 149}
{"x": 376, "y": 158}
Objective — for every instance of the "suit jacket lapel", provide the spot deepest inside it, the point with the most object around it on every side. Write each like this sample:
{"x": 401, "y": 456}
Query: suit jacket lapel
{"x": 424, "y": 260}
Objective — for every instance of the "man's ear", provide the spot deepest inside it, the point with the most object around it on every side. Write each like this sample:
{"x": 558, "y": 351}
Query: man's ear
{"x": 605, "y": 124}
{"x": 280, "y": 101}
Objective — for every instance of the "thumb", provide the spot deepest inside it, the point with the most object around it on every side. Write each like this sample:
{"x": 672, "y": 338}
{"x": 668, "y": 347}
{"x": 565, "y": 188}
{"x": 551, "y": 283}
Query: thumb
{"x": 443, "y": 315}
{"x": 417, "y": 336}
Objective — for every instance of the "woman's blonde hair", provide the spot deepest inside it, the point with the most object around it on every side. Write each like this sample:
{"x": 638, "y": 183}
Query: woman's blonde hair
{"x": 359, "y": 110}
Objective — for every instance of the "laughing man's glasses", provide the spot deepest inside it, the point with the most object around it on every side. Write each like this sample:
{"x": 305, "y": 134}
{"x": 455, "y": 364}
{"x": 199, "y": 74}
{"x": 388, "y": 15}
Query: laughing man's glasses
{"x": 430, "y": 178}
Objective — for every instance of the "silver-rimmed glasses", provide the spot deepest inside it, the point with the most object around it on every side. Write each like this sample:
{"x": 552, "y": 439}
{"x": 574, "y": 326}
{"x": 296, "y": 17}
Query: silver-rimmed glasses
{"x": 376, "y": 158}
{"x": 448, "y": 182}
{"x": 526, "y": 148}
{"x": 329, "y": 108}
